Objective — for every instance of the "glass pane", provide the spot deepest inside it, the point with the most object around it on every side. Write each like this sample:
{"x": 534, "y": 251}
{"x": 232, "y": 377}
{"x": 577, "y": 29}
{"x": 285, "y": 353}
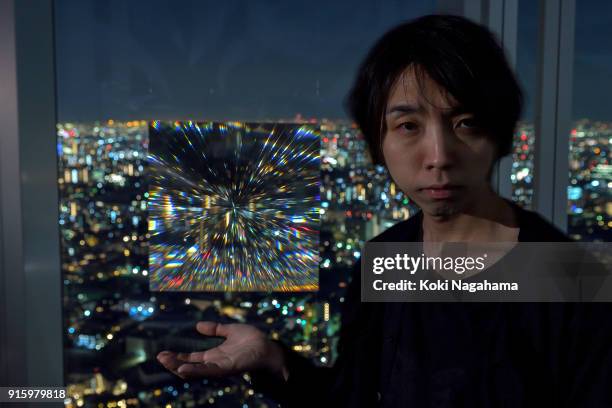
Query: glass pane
{"x": 526, "y": 69}
{"x": 121, "y": 65}
{"x": 590, "y": 157}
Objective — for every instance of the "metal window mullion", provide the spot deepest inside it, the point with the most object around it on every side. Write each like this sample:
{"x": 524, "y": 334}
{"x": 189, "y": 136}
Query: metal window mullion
{"x": 39, "y": 190}
{"x": 30, "y": 274}
{"x": 495, "y": 22}
{"x": 12, "y": 296}
{"x": 564, "y": 111}
{"x": 553, "y": 110}
{"x": 503, "y": 19}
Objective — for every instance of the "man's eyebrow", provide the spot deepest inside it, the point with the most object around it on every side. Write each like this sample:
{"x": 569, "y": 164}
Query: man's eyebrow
{"x": 407, "y": 109}
{"x": 404, "y": 108}
{"x": 458, "y": 110}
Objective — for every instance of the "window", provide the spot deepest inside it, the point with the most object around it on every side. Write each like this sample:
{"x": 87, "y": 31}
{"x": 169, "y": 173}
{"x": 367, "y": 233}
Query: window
{"x": 526, "y": 69}
{"x": 590, "y": 158}
{"x": 120, "y": 66}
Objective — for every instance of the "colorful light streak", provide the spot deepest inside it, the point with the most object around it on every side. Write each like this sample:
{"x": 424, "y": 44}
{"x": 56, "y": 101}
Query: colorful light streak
{"x": 233, "y": 207}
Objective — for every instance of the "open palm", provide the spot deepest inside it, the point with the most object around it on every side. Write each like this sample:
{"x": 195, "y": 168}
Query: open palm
{"x": 245, "y": 348}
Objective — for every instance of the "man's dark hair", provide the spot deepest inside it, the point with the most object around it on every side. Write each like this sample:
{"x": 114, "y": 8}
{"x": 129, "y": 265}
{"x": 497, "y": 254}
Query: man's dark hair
{"x": 462, "y": 57}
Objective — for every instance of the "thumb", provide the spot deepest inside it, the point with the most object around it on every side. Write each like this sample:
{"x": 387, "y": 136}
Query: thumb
{"x": 212, "y": 329}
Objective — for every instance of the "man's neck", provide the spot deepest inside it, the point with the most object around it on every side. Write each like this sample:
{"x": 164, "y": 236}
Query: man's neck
{"x": 489, "y": 219}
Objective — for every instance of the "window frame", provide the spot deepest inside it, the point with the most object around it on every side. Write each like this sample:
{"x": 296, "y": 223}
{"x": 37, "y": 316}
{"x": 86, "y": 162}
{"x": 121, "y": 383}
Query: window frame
{"x": 31, "y": 315}
{"x": 31, "y": 341}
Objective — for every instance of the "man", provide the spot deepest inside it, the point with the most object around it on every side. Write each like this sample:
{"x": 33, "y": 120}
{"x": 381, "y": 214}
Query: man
{"x": 438, "y": 103}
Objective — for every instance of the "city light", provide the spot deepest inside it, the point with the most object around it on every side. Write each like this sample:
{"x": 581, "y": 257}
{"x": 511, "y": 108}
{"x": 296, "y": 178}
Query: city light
{"x": 111, "y": 317}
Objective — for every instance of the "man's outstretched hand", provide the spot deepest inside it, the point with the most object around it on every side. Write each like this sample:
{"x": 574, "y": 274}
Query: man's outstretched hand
{"x": 245, "y": 348}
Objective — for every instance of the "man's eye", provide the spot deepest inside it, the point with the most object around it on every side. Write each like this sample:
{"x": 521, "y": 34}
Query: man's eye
{"x": 468, "y": 123}
{"x": 409, "y": 126}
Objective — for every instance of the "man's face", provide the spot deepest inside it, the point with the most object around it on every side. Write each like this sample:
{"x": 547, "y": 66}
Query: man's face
{"x": 435, "y": 151}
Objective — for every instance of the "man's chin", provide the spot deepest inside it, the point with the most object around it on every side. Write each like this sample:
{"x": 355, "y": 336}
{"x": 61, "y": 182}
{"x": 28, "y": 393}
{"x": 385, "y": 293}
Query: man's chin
{"x": 442, "y": 209}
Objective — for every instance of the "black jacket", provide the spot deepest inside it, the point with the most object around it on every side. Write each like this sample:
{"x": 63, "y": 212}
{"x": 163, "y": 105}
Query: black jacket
{"x": 459, "y": 354}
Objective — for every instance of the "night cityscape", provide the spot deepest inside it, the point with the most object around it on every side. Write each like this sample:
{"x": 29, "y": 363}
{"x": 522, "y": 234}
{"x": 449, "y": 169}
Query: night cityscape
{"x": 114, "y": 326}
{"x": 167, "y": 163}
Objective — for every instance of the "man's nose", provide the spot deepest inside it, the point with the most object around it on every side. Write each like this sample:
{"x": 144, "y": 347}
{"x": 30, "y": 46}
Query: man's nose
{"x": 440, "y": 146}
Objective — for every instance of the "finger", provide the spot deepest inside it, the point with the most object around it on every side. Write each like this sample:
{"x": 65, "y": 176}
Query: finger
{"x": 212, "y": 329}
{"x": 169, "y": 360}
{"x": 201, "y": 370}
{"x": 195, "y": 357}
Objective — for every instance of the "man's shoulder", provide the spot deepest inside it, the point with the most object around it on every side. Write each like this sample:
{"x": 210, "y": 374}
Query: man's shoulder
{"x": 404, "y": 231}
{"x": 535, "y": 228}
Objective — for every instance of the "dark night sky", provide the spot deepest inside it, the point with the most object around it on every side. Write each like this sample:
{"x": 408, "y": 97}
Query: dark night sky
{"x": 255, "y": 60}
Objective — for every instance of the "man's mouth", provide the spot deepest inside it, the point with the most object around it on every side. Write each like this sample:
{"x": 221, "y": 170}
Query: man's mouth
{"x": 441, "y": 191}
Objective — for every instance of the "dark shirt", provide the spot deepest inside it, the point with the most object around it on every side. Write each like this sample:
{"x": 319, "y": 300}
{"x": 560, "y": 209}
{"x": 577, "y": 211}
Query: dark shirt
{"x": 459, "y": 354}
